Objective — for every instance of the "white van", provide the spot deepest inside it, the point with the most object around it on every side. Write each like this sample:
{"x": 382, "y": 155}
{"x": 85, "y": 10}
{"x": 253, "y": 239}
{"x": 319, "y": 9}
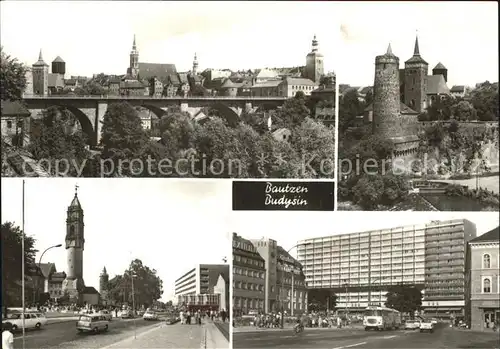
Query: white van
{"x": 92, "y": 323}
{"x": 31, "y": 320}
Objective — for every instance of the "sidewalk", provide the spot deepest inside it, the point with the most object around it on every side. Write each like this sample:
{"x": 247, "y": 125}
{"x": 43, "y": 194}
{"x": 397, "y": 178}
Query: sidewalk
{"x": 213, "y": 337}
{"x": 165, "y": 337}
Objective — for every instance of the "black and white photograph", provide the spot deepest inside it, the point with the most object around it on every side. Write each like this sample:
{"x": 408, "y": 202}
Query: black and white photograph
{"x": 171, "y": 89}
{"x": 418, "y": 107}
{"x": 115, "y": 264}
{"x": 388, "y": 280}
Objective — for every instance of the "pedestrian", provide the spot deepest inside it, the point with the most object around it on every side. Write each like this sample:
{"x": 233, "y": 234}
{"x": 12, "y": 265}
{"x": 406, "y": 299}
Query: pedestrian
{"x": 7, "y": 336}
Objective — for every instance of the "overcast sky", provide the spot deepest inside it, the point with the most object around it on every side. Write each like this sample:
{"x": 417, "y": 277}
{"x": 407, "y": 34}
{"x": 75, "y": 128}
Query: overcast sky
{"x": 94, "y": 37}
{"x": 170, "y": 225}
{"x": 461, "y": 35}
{"x": 290, "y": 227}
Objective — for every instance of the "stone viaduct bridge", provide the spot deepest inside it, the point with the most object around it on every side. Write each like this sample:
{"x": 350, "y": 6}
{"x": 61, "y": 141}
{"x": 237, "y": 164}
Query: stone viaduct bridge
{"x": 90, "y": 110}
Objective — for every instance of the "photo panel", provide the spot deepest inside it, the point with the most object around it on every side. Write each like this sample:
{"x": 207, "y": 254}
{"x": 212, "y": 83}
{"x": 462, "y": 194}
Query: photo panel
{"x": 140, "y": 263}
{"x": 229, "y": 96}
{"x": 418, "y": 118}
{"x": 311, "y": 279}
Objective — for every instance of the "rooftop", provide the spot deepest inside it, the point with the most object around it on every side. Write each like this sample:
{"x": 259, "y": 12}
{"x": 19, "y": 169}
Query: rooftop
{"x": 13, "y": 108}
{"x": 436, "y": 85}
{"x": 491, "y": 236}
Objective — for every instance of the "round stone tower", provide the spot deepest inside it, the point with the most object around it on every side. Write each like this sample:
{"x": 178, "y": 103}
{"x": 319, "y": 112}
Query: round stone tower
{"x": 386, "y": 96}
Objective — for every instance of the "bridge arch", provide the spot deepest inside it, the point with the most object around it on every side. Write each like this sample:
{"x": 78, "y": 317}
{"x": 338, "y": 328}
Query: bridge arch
{"x": 84, "y": 121}
{"x": 156, "y": 110}
{"x": 227, "y": 113}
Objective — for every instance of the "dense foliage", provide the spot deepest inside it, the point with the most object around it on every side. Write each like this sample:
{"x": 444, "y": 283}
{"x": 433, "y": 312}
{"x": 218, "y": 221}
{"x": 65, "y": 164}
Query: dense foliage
{"x": 321, "y": 300}
{"x": 148, "y": 287}
{"x": 404, "y": 298}
{"x": 12, "y": 77}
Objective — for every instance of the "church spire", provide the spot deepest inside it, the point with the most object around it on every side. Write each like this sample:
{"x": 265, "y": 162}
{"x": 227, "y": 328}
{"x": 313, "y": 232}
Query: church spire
{"x": 134, "y": 46}
{"x": 40, "y": 57}
{"x": 389, "y": 50}
{"x": 416, "y": 50}
{"x": 195, "y": 64}
{"x": 76, "y": 202}
{"x": 314, "y": 44}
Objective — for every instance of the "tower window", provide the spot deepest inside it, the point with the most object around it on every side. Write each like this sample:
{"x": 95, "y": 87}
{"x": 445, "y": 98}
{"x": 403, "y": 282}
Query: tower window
{"x": 9, "y": 124}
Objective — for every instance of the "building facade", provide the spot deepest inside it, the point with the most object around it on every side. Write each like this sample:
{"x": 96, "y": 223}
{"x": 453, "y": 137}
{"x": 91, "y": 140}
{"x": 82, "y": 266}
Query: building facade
{"x": 16, "y": 121}
{"x": 268, "y": 250}
{"x": 360, "y": 267}
{"x": 290, "y": 284}
{"x": 484, "y": 282}
{"x": 249, "y": 275}
{"x": 40, "y": 74}
{"x": 445, "y": 266}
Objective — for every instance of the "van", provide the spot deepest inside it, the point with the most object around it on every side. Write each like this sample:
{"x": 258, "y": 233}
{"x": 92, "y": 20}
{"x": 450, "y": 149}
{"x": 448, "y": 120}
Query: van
{"x": 31, "y": 320}
{"x": 92, "y": 323}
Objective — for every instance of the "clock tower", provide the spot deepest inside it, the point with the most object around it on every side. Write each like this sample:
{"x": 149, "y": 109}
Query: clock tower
{"x": 314, "y": 63}
{"x": 74, "y": 285}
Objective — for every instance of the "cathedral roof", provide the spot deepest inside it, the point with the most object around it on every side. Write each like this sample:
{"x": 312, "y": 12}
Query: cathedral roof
{"x": 436, "y": 85}
{"x": 90, "y": 290}
{"x": 440, "y": 66}
{"x": 149, "y": 70}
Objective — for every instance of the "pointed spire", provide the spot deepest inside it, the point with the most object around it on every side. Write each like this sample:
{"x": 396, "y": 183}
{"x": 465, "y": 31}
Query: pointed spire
{"x": 314, "y": 44}
{"x": 104, "y": 270}
{"x": 40, "y": 57}
{"x": 76, "y": 202}
{"x": 416, "y": 50}
{"x": 134, "y": 46}
{"x": 389, "y": 50}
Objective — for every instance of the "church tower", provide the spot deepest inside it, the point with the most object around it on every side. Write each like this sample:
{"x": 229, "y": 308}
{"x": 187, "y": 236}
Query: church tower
{"x": 133, "y": 69}
{"x": 386, "y": 98}
{"x": 103, "y": 286}
{"x": 440, "y": 69}
{"x": 40, "y": 72}
{"x": 416, "y": 70}
{"x": 314, "y": 63}
{"x": 195, "y": 65}
{"x": 74, "y": 285}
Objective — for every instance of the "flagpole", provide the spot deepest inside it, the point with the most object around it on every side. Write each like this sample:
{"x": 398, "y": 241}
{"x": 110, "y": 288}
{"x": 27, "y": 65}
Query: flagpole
{"x": 22, "y": 272}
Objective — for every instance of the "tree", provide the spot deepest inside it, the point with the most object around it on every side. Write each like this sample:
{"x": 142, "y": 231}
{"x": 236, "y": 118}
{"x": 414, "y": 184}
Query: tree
{"x": 294, "y": 110}
{"x": 404, "y": 298}
{"x": 349, "y": 107}
{"x": 123, "y": 140}
{"x": 321, "y": 300}
{"x": 464, "y": 111}
{"x": 484, "y": 98}
{"x": 60, "y": 138}
{"x": 148, "y": 287}
{"x": 11, "y": 237}
{"x": 12, "y": 77}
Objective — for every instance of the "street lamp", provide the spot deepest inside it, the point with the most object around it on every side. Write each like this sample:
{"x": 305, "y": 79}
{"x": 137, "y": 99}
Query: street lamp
{"x": 292, "y": 290}
{"x": 40, "y": 262}
{"x": 132, "y": 276}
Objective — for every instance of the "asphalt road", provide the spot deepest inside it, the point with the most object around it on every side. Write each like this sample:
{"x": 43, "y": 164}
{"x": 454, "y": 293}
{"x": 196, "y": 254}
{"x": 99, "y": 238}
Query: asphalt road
{"x": 62, "y": 333}
{"x": 443, "y": 337}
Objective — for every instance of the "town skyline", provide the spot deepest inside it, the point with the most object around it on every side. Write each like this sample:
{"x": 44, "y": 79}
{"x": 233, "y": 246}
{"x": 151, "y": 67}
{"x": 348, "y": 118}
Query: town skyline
{"x": 461, "y": 35}
{"x": 288, "y": 228}
{"x": 109, "y": 212}
{"x": 223, "y": 35}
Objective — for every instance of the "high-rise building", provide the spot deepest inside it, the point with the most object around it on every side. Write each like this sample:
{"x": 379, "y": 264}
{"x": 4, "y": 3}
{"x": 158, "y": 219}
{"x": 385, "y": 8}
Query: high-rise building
{"x": 268, "y": 250}
{"x": 249, "y": 277}
{"x": 360, "y": 267}
{"x": 445, "y": 265}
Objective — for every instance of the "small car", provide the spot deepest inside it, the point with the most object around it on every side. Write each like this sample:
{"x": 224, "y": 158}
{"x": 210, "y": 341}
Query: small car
{"x": 427, "y": 326}
{"x": 127, "y": 314}
{"x": 150, "y": 315}
{"x": 107, "y": 314}
{"x": 32, "y": 320}
{"x": 434, "y": 320}
{"x": 92, "y": 323}
{"x": 412, "y": 325}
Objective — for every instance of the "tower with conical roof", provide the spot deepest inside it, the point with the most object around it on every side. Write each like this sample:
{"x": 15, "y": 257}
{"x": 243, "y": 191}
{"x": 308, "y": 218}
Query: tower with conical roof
{"x": 416, "y": 70}
{"x": 59, "y": 66}
{"x": 40, "y": 72}
{"x": 440, "y": 69}
{"x": 103, "y": 286}
{"x": 386, "y": 96}
{"x": 314, "y": 63}
{"x": 133, "y": 69}
{"x": 74, "y": 285}
{"x": 195, "y": 64}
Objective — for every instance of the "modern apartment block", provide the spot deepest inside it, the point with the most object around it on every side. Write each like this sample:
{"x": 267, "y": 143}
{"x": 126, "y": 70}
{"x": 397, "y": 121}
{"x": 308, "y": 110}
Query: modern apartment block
{"x": 249, "y": 274}
{"x": 200, "y": 280}
{"x": 359, "y": 267}
{"x": 445, "y": 266}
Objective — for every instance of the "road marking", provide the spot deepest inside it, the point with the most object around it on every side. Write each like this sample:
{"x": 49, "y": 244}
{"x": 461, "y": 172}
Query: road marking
{"x": 355, "y": 345}
{"x": 21, "y": 337}
{"x": 389, "y": 337}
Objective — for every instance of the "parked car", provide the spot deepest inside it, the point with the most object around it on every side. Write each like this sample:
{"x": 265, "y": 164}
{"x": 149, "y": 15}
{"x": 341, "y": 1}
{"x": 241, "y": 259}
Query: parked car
{"x": 412, "y": 324}
{"x": 434, "y": 321}
{"x": 127, "y": 314}
{"x": 173, "y": 320}
{"x": 92, "y": 323}
{"x": 150, "y": 315}
{"x": 31, "y": 320}
{"x": 427, "y": 326}
{"x": 107, "y": 314}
